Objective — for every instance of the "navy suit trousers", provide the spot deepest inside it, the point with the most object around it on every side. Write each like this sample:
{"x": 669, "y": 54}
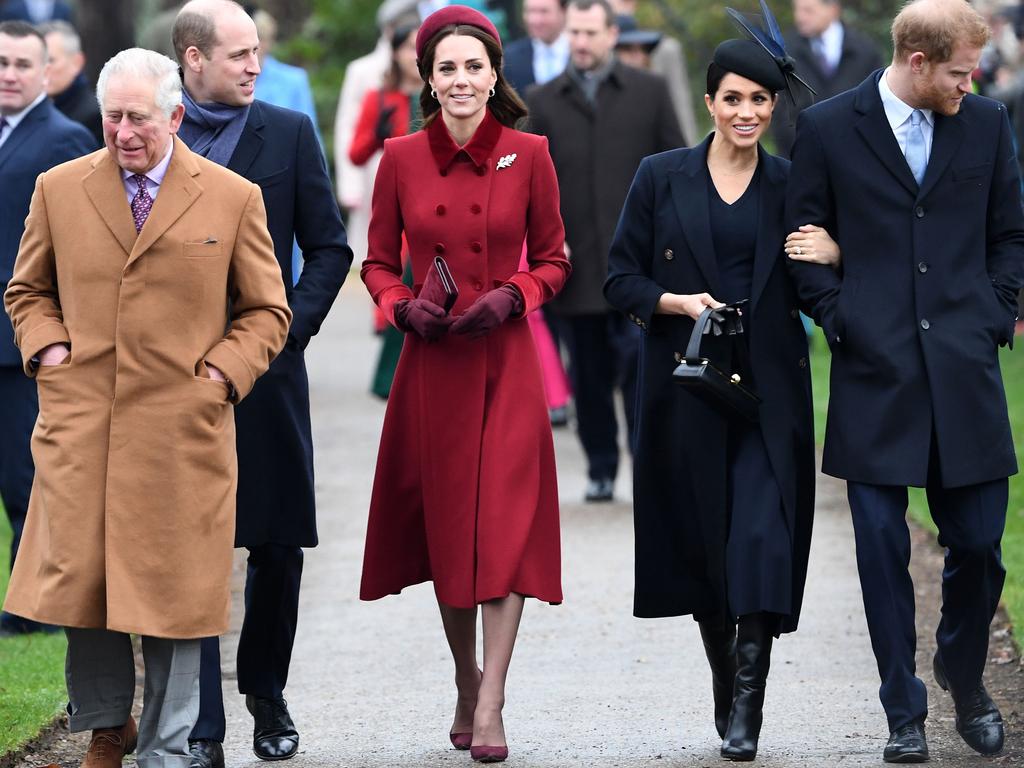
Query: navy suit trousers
{"x": 970, "y": 520}
{"x": 603, "y": 353}
{"x": 265, "y": 643}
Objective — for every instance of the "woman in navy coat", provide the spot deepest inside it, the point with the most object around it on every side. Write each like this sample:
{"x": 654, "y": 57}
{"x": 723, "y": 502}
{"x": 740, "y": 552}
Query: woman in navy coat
{"x": 465, "y": 491}
{"x": 723, "y": 510}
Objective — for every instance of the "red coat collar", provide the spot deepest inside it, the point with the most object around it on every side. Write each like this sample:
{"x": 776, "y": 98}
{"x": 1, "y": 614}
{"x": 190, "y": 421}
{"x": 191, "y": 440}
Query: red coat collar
{"x": 478, "y": 148}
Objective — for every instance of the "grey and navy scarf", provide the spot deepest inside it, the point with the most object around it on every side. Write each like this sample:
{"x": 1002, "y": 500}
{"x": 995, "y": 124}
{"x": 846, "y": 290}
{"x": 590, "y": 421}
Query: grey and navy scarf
{"x": 212, "y": 130}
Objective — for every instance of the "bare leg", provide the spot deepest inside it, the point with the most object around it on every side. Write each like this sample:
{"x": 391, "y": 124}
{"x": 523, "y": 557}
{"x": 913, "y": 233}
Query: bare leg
{"x": 501, "y": 624}
{"x": 460, "y": 629}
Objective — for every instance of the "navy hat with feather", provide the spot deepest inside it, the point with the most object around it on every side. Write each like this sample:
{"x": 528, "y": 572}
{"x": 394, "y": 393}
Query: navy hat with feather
{"x": 772, "y": 51}
{"x": 748, "y": 59}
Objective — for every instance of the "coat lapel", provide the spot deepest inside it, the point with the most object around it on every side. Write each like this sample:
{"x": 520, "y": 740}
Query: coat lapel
{"x": 769, "y": 238}
{"x": 690, "y": 196}
{"x": 874, "y": 127}
{"x": 178, "y": 192}
{"x": 26, "y": 128}
{"x": 105, "y": 188}
{"x": 949, "y": 133}
{"x": 250, "y": 142}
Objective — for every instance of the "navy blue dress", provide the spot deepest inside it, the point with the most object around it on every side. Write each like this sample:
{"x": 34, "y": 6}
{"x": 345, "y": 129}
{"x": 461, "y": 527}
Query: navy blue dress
{"x": 758, "y": 555}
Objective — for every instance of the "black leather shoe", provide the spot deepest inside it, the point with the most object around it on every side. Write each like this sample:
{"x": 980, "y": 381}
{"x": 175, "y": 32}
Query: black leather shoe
{"x": 720, "y": 648}
{"x": 907, "y": 744}
{"x": 978, "y": 720}
{"x": 274, "y": 736}
{"x": 206, "y": 754}
{"x": 753, "y": 659}
{"x": 600, "y": 489}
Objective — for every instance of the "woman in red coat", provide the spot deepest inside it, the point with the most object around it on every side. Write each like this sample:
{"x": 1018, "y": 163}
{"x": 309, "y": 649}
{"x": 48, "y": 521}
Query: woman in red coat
{"x": 465, "y": 491}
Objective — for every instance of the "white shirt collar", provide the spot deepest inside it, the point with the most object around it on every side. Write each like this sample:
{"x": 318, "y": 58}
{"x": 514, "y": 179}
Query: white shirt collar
{"x": 17, "y": 117}
{"x": 897, "y": 111}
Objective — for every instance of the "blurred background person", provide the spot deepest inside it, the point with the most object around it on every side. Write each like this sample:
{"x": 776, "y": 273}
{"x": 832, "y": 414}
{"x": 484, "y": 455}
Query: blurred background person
{"x": 543, "y": 53}
{"x": 36, "y": 11}
{"x": 66, "y": 83}
{"x": 830, "y": 55}
{"x": 634, "y": 45}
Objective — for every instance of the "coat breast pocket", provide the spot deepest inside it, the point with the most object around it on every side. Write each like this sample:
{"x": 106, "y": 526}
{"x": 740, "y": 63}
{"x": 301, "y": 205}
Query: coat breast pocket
{"x": 206, "y": 249}
{"x": 973, "y": 173}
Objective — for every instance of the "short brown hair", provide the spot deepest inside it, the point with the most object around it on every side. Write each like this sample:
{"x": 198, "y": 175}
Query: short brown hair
{"x": 934, "y": 27}
{"x": 505, "y": 104}
{"x": 18, "y": 29}
{"x": 586, "y": 5}
{"x": 196, "y": 29}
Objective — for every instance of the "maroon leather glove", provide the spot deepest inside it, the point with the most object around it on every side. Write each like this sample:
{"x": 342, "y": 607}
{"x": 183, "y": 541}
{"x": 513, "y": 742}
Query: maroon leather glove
{"x": 488, "y": 312}
{"x": 422, "y": 317}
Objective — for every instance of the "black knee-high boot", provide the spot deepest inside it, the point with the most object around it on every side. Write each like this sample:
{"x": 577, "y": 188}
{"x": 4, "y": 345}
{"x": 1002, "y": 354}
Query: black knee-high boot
{"x": 753, "y": 657}
{"x": 720, "y": 647}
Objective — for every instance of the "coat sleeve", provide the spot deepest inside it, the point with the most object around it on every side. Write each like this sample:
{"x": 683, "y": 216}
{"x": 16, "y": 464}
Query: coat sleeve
{"x": 545, "y": 237}
{"x": 320, "y": 235}
{"x": 629, "y": 287}
{"x": 259, "y": 308}
{"x": 364, "y": 139}
{"x": 1005, "y": 229}
{"x": 809, "y": 201}
{"x": 32, "y": 299}
{"x": 382, "y": 268}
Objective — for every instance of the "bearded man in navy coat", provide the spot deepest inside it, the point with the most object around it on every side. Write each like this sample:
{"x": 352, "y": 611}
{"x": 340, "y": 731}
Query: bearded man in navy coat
{"x": 216, "y": 44}
{"x": 916, "y": 179}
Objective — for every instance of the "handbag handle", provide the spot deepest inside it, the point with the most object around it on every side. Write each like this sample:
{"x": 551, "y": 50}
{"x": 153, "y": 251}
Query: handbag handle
{"x": 693, "y": 355}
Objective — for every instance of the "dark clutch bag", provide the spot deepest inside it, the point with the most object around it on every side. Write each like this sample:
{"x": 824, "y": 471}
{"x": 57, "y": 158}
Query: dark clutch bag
{"x": 439, "y": 286}
{"x": 725, "y": 392}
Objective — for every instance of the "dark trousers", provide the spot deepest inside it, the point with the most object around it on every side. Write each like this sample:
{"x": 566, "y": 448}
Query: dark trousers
{"x": 19, "y": 407}
{"x": 265, "y": 643}
{"x": 603, "y": 354}
{"x": 970, "y": 522}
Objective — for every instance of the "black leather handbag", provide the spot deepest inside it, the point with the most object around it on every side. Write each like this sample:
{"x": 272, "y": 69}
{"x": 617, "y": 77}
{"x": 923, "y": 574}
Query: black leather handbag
{"x": 728, "y": 393}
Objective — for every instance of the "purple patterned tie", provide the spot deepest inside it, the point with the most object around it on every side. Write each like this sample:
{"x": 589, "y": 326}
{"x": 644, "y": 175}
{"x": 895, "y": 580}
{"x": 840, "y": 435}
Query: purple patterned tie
{"x": 142, "y": 203}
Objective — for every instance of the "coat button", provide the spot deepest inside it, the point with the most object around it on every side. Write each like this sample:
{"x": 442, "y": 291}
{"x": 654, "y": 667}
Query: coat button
{"x": 439, "y": 210}
{"x": 795, "y": 314}
{"x": 802, "y": 362}
{"x": 439, "y": 247}
{"x": 925, "y": 325}
{"x": 444, "y": 171}
{"x": 669, "y": 255}
{"x": 679, "y": 357}
{"x": 922, "y": 267}
{"x": 474, "y": 208}
{"x": 919, "y": 212}
{"x": 475, "y": 247}
{"x": 480, "y": 170}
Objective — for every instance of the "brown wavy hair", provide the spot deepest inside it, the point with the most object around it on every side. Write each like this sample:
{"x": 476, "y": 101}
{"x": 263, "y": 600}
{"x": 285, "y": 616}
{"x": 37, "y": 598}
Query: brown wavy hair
{"x": 505, "y": 104}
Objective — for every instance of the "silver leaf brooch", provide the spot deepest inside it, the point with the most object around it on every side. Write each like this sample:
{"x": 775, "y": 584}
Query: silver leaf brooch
{"x": 506, "y": 161}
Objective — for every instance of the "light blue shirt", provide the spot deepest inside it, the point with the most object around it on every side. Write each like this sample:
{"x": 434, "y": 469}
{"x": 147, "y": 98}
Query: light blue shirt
{"x": 898, "y": 112}
{"x": 830, "y": 44}
{"x": 549, "y": 61}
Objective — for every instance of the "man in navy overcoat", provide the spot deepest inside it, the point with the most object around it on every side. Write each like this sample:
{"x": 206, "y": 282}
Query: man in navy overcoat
{"x": 916, "y": 179}
{"x": 277, "y": 149}
{"x": 34, "y": 137}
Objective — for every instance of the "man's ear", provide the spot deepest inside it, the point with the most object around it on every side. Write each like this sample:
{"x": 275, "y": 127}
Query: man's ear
{"x": 194, "y": 59}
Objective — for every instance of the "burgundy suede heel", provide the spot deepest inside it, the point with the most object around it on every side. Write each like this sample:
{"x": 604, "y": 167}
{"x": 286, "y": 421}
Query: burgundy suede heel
{"x": 484, "y": 754}
{"x": 461, "y": 740}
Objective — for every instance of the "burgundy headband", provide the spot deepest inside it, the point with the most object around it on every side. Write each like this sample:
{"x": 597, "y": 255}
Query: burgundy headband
{"x": 447, "y": 16}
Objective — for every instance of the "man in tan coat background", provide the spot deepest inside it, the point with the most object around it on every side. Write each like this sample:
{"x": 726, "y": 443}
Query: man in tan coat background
{"x": 146, "y": 299}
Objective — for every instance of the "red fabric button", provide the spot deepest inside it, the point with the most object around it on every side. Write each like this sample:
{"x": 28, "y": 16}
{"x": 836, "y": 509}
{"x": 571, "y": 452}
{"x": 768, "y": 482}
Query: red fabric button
{"x": 478, "y": 286}
{"x": 475, "y": 247}
{"x": 439, "y": 247}
{"x": 439, "y": 210}
{"x": 444, "y": 171}
{"x": 475, "y": 208}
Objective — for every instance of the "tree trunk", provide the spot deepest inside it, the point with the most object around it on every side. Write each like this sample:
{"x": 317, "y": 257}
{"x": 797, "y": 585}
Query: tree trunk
{"x": 106, "y": 27}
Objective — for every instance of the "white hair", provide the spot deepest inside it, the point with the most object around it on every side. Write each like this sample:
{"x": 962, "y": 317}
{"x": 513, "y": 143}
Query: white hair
{"x": 147, "y": 65}
{"x": 72, "y": 42}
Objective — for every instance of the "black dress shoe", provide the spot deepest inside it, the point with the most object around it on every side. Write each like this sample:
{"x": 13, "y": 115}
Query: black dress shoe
{"x": 600, "y": 489}
{"x": 274, "y": 736}
{"x": 978, "y": 720}
{"x": 206, "y": 754}
{"x": 907, "y": 744}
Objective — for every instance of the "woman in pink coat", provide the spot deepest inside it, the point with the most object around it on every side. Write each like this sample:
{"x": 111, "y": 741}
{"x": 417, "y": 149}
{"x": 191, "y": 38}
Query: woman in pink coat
{"x": 465, "y": 492}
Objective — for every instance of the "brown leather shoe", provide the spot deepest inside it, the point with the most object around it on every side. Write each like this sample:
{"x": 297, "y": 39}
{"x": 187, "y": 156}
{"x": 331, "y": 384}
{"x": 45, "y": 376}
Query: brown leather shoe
{"x": 109, "y": 745}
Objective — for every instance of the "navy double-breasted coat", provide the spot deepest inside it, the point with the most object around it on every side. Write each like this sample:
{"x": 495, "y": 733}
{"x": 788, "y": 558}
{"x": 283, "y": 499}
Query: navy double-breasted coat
{"x": 663, "y": 243}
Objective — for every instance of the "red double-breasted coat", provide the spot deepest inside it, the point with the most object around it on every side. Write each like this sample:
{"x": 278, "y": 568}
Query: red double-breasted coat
{"x": 465, "y": 491}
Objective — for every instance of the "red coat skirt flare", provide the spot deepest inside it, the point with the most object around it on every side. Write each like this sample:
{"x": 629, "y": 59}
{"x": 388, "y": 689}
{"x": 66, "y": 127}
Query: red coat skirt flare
{"x": 465, "y": 492}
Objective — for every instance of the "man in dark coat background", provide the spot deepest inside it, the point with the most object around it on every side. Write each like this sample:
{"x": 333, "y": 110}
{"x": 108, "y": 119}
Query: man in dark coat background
{"x": 601, "y": 119}
{"x": 916, "y": 179}
{"x": 216, "y": 43}
{"x": 34, "y": 137}
{"x": 830, "y": 56}
{"x": 66, "y": 82}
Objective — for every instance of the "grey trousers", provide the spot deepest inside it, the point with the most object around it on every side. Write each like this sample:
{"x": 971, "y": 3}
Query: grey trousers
{"x": 100, "y": 673}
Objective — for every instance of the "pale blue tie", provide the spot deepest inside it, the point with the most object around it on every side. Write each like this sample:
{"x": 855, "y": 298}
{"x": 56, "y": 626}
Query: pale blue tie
{"x": 917, "y": 156}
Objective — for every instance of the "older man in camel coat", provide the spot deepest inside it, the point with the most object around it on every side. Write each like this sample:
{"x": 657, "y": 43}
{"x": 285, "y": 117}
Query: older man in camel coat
{"x": 146, "y": 299}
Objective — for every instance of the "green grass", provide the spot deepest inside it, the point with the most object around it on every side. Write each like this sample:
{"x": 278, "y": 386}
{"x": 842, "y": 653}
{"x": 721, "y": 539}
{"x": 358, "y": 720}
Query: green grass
{"x": 32, "y": 688}
{"x": 1013, "y": 539}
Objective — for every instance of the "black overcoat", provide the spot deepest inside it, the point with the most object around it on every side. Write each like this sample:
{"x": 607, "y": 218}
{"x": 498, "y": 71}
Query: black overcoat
{"x": 279, "y": 150}
{"x": 596, "y": 151}
{"x": 663, "y": 243}
{"x": 927, "y": 292}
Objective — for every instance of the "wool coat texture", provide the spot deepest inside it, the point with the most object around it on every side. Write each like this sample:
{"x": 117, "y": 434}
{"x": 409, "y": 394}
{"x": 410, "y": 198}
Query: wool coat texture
{"x": 465, "y": 491}
{"x": 133, "y": 506}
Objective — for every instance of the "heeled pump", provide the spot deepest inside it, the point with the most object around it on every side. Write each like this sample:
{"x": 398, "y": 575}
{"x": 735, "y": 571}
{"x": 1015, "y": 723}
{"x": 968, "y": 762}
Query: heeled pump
{"x": 484, "y": 754}
{"x": 753, "y": 657}
{"x": 461, "y": 740}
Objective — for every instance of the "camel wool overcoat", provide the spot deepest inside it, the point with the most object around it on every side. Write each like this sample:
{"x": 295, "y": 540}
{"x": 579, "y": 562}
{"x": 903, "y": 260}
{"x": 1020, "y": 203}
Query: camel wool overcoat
{"x": 131, "y": 520}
